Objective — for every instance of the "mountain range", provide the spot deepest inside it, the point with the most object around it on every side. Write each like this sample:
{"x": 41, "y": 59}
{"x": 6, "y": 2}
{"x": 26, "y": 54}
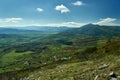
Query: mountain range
{"x": 89, "y": 29}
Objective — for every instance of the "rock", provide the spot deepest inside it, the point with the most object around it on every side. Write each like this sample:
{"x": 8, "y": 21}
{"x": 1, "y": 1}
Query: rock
{"x": 112, "y": 75}
{"x": 26, "y": 78}
{"x": 96, "y": 77}
{"x": 104, "y": 66}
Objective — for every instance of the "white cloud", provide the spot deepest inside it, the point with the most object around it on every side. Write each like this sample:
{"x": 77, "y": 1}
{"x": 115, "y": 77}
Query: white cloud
{"x": 62, "y": 8}
{"x": 39, "y": 9}
{"x": 14, "y": 20}
{"x": 107, "y": 21}
{"x": 72, "y": 24}
{"x": 78, "y": 3}
{"x": 67, "y": 24}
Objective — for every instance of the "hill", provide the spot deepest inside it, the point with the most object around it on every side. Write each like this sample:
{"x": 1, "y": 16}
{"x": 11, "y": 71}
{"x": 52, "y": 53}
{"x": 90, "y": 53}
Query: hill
{"x": 94, "y": 30}
{"x": 43, "y": 28}
{"x": 83, "y": 66}
{"x": 81, "y": 50}
{"x": 19, "y": 35}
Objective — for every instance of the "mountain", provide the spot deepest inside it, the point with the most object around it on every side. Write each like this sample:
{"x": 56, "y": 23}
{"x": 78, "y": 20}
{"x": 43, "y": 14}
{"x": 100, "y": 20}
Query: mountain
{"x": 15, "y": 31}
{"x": 44, "y": 28}
{"x": 97, "y": 30}
{"x": 94, "y": 30}
{"x": 86, "y": 30}
{"x": 32, "y": 29}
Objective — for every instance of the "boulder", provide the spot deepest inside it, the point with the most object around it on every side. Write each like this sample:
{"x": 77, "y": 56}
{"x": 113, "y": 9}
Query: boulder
{"x": 104, "y": 66}
{"x": 113, "y": 76}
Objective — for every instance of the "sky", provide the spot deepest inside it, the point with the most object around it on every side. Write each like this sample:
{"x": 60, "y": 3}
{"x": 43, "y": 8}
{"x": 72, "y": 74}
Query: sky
{"x": 71, "y": 13}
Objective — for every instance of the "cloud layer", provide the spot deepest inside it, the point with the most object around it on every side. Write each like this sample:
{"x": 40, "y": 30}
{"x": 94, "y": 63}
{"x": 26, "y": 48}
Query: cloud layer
{"x": 67, "y": 24}
{"x": 106, "y": 21}
{"x": 62, "y": 8}
{"x": 14, "y": 20}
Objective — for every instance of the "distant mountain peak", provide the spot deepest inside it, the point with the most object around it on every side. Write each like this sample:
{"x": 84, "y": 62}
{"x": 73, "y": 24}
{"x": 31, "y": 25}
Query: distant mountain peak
{"x": 90, "y": 25}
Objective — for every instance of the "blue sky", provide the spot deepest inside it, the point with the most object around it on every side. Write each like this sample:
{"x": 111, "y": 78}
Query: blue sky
{"x": 72, "y": 13}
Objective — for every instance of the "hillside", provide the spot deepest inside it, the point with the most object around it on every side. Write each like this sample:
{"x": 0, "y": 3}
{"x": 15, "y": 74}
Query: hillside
{"x": 76, "y": 52}
{"x": 19, "y": 35}
{"x": 82, "y": 67}
{"x": 44, "y": 28}
{"x": 94, "y": 30}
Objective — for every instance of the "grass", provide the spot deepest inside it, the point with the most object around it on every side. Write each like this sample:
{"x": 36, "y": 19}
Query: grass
{"x": 86, "y": 70}
{"x": 10, "y": 59}
{"x": 82, "y": 65}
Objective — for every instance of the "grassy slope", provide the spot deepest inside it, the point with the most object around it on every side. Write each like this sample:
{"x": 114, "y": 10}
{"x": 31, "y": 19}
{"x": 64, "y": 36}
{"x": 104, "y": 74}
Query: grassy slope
{"x": 10, "y": 59}
{"x": 85, "y": 70}
{"x": 81, "y": 71}
{"x": 79, "y": 66}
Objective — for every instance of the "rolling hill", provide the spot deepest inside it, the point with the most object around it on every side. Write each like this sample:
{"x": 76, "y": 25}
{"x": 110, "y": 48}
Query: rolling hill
{"x": 81, "y": 50}
{"x": 94, "y": 30}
